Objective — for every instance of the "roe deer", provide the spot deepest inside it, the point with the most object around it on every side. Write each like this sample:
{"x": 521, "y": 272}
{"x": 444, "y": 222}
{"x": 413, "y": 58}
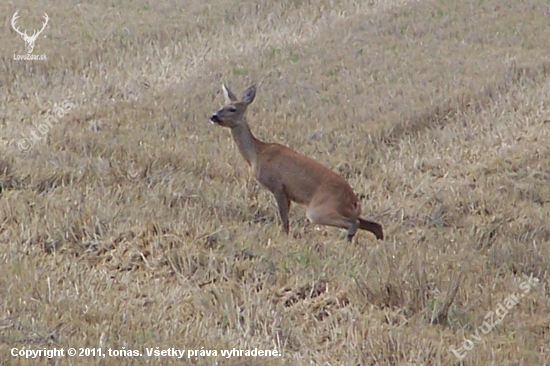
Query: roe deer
{"x": 293, "y": 177}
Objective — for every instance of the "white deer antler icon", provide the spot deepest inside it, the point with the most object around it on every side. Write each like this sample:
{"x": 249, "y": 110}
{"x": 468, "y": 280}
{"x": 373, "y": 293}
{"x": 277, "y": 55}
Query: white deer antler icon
{"x": 28, "y": 40}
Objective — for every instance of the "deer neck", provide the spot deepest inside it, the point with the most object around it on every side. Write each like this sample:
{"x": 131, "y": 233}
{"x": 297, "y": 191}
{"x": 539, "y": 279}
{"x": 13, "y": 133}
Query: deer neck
{"x": 248, "y": 145}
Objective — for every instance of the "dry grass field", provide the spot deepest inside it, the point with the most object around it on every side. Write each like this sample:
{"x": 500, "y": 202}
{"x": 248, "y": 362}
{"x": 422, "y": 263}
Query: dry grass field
{"x": 132, "y": 221}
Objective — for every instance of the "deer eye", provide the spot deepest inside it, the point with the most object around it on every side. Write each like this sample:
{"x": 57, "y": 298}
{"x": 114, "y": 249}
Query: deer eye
{"x": 232, "y": 109}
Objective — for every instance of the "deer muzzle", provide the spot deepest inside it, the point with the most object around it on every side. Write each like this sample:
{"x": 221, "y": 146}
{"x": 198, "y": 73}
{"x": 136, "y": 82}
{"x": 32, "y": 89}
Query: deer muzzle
{"x": 215, "y": 119}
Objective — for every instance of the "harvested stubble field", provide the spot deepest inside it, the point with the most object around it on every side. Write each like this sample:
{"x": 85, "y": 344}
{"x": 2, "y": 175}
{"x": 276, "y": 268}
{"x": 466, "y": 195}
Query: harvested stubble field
{"x": 133, "y": 221}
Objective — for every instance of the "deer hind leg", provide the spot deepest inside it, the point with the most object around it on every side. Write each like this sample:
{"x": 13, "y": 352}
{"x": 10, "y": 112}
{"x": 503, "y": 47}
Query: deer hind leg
{"x": 283, "y": 203}
{"x": 373, "y": 227}
{"x": 352, "y": 230}
{"x": 324, "y": 216}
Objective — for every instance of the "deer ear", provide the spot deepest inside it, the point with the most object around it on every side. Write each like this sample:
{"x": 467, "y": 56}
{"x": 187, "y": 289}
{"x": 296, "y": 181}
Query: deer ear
{"x": 229, "y": 96}
{"x": 249, "y": 94}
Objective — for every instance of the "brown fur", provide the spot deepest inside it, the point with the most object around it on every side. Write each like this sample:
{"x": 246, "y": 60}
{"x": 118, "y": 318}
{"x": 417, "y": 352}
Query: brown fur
{"x": 293, "y": 177}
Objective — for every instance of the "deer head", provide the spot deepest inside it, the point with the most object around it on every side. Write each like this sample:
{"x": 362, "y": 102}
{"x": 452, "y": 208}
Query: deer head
{"x": 232, "y": 113}
{"x": 29, "y": 40}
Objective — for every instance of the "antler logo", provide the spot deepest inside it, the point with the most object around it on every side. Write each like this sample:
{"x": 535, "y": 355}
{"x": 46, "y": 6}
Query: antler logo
{"x": 29, "y": 40}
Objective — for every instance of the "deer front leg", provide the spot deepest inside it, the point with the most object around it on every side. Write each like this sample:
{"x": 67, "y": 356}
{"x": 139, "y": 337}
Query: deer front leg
{"x": 284, "y": 206}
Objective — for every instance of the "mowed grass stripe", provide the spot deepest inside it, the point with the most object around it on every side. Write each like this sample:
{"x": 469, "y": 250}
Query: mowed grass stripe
{"x": 161, "y": 44}
{"x": 443, "y": 178}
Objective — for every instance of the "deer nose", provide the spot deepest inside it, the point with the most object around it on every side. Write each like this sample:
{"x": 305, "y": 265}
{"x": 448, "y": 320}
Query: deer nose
{"x": 214, "y": 118}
